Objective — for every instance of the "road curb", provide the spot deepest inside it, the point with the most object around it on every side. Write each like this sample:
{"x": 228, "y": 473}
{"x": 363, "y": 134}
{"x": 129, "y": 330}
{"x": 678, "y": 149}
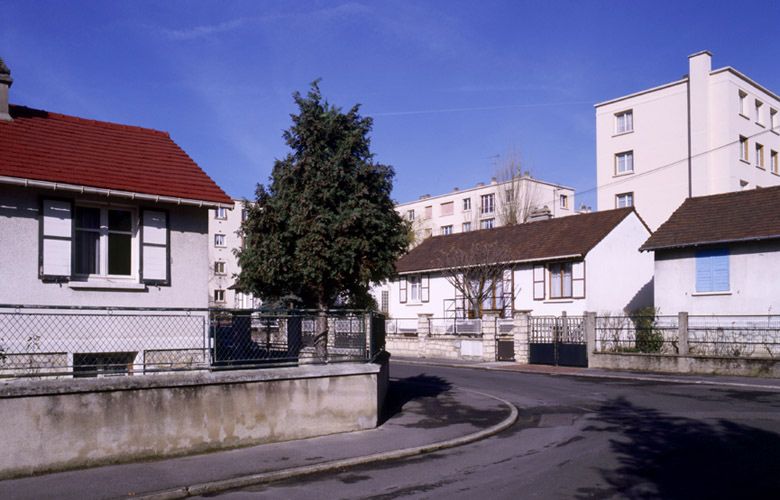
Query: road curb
{"x": 616, "y": 376}
{"x": 268, "y": 477}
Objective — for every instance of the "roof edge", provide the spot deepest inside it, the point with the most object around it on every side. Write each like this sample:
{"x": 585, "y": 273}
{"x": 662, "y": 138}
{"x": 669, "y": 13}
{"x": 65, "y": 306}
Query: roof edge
{"x": 641, "y": 92}
{"x": 509, "y": 262}
{"x": 54, "y": 186}
{"x": 653, "y": 248}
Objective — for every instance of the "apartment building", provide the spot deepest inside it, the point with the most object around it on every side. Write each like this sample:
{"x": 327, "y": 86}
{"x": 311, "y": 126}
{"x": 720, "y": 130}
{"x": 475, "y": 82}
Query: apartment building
{"x": 711, "y": 132}
{"x": 224, "y": 239}
{"x": 486, "y": 206}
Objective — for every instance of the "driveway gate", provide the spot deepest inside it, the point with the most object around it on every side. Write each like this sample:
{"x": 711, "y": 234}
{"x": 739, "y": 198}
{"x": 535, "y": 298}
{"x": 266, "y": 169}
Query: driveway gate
{"x": 558, "y": 341}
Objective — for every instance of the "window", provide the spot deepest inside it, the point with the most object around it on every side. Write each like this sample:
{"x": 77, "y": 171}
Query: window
{"x": 743, "y": 148}
{"x": 104, "y": 241}
{"x": 712, "y": 270}
{"x": 384, "y": 301}
{"x": 624, "y": 200}
{"x": 466, "y": 204}
{"x": 624, "y": 122}
{"x": 624, "y": 163}
{"x": 773, "y": 124}
{"x": 428, "y": 212}
{"x": 219, "y": 240}
{"x": 560, "y": 280}
{"x": 414, "y": 288}
{"x": 220, "y": 213}
{"x": 509, "y": 195}
{"x": 447, "y": 208}
{"x": 487, "y": 204}
{"x": 759, "y": 118}
{"x": 773, "y": 165}
{"x": 244, "y": 214}
{"x": 446, "y": 229}
{"x": 410, "y": 215}
{"x": 486, "y": 224}
{"x": 219, "y": 267}
{"x": 466, "y": 227}
{"x": 219, "y": 295}
{"x": 759, "y": 155}
{"x": 564, "y": 201}
{"x": 743, "y": 103}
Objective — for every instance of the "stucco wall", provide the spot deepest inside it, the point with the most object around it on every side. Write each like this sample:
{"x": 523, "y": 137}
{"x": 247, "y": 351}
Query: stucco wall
{"x": 754, "y": 289}
{"x": 19, "y": 226}
{"x": 52, "y": 425}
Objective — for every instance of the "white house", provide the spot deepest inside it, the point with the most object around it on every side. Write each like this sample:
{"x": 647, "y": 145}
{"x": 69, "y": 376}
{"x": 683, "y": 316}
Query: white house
{"x": 98, "y": 214}
{"x": 710, "y": 132}
{"x": 586, "y": 262}
{"x": 720, "y": 254}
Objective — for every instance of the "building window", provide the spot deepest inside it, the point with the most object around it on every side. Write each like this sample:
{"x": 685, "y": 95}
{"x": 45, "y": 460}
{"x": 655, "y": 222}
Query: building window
{"x": 219, "y": 267}
{"x": 219, "y": 295}
{"x": 759, "y": 155}
{"x": 743, "y": 149}
{"x": 428, "y": 212}
{"x": 564, "y": 201}
{"x": 466, "y": 204}
{"x": 410, "y": 215}
{"x": 220, "y": 213}
{"x": 743, "y": 103}
{"x": 712, "y": 270}
{"x": 447, "y": 208}
{"x": 624, "y": 200}
{"x": 624, "y": 162}
{"x": 487, "y": 224}
{"x": 219, "y": 240}
{"x": 759, "y": 119}
{"x": 509, "y": 195}
{"x": 466, "y": 227}
{"x": 414, "y": 289}
{"x": 773, "y": 119}
{"x": 244, "y": 214}
{"x": 104, "y": 241}
{"x": 560, "y": 280}
{"x": 773, "y": 163}
{"x": 446, "y": 230}
{"x": 487, "y": 204}
{"x": 384, "y": 301}
{"x": 624, "y": 122}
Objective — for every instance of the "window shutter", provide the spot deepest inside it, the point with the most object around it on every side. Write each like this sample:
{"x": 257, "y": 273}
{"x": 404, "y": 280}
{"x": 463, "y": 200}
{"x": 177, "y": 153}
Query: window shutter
{"x": 578, "y": 279}
{"x": 56, "y": 243}
{"x": 402, "y": 290}
{"x": 425, "y": 286}
{"x": 712, "y": 270}
{"x": 539, "y": 286}
{"x": 155, "y": 248}
{"x": 703, "y": 273}
{"x": 720, "y": 271}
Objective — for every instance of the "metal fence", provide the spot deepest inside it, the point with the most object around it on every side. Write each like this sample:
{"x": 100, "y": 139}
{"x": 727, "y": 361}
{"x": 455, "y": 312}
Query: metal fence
{"x": 734, "y": 336}
{"x": 48, "y": 341}
{"x": 646, "y": 334}
{"x": 455, "y": 326}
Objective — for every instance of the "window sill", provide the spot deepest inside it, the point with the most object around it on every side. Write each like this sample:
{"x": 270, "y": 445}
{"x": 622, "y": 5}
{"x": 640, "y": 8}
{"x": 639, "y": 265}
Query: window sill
{"x": 618, "y": 134}
{"x": 744, "y": 161}
{"x": 415, "y": 304}
{"x": 761, "y": 167}
{"x": 710, "y": 294}
{"x": 746, "y": 117}
{"x": 760, "y": 124}
{"x": 623, "y": 174}
{"x": 106, "y": 285}
{"x": 775, "y": 131}
{"x": 567, "y": 300}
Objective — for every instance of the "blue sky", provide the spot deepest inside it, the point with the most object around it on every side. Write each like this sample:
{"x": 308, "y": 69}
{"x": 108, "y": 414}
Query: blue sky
{"x": 450, "y": 85}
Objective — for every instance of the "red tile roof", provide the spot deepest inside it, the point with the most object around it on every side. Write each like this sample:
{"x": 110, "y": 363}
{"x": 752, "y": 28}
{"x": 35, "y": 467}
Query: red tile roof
{"x": 570, "y": 236}
{"x": 65, "y": 149}
{"x": 721, "y": 218}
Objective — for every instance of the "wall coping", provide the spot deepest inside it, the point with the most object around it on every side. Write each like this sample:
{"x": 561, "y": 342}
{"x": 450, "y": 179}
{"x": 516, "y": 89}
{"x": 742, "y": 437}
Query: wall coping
{"x": 689, "y": 356}
{"x": 25, "y": 387}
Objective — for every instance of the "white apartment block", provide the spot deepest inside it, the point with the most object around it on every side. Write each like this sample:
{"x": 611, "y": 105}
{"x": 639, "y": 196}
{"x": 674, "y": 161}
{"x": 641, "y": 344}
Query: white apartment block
{"x": 713, "y": 131}
{"x": 224, "y": 239}
{"x": 486, "y": 206}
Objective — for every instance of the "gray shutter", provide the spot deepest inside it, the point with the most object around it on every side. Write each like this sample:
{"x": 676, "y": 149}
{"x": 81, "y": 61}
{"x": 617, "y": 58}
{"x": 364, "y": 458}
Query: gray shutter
{"x": 155, "y": 248}
{"x": 402, "y": 290}
{"x": 539, "y": 286}
{"x": 56, "y": 240}
{"x": 578, "y": 279}
{"x": 425, "y": 288}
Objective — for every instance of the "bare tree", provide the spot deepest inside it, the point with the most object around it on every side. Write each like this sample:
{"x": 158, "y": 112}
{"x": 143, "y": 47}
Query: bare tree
{"x": 518, "y": 195}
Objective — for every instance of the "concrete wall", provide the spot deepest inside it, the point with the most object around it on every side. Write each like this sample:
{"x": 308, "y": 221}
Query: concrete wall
{"x": 685, "y": 364}
{"x": 753, "y": 289}
{"x": 19, "y": 226}
{"x": 54, "y": 425}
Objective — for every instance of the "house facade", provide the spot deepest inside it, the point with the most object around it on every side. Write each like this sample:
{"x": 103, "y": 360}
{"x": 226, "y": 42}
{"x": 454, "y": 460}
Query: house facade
{"x": 587, "y": 262}
{"x": 718, "y": 255}
{"x": 486, "y": 206}
{"x": 224, "y": 240}
{"x": 710, "y": 132}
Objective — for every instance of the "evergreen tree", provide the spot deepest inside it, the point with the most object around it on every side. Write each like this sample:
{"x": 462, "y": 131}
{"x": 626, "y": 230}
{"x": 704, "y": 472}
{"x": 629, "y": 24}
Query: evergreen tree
{"x": 325, "y": 228}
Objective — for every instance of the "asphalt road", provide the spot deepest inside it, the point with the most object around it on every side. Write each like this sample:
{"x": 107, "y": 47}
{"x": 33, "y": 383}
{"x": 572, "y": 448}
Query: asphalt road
{"x": 581, "y": 438}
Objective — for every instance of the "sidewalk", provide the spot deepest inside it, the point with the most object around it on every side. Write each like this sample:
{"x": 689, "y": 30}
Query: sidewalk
{"x": 427, "y": 412}
{"x": 770, "y": 384}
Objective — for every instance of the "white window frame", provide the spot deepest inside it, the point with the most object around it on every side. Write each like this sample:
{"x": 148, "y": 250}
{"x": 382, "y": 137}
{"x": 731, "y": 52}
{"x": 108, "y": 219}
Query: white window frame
{"x": 773, "y": 120}
{"x": 626, "y": 198}
{"x": 466, "y": 204}
{"x": 773, "y": 162}
{"x": 487, "y": 204}
{"x": 410, "y": 215}
{"x": 744, "y": 149}
{"x": 622, "y": 158}
{"x": 220, "y": 240}
{"x": 415, "y": 289}
{"x": 487, "y": 223}
{"x": 563, "y": 201}
{"x": 445, "y": 230}
{"x": 103, "y": 232}
{"x": 743, "y": 103}
{"x": 219, "y": 295}
{"x": 220, "y": 213}
{"x": 760, "y": 156}
{"x": 466, "y": 227}
{"x": 219, "y": 268}
{"x": 759, "y": 112}
{"x": 624, "y": 122}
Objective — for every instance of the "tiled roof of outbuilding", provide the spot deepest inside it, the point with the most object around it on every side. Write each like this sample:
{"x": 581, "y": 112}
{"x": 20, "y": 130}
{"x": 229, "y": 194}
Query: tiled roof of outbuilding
{"x": 721, "y": 218}
{"x": 45, "y": 146}
{"x": 572, "y": 236}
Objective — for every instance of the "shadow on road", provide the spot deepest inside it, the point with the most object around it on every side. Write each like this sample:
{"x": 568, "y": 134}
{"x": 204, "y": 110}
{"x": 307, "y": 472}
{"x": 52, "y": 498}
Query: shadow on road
{"x": 402, "y": 391}
{"x": 663, "y": 456}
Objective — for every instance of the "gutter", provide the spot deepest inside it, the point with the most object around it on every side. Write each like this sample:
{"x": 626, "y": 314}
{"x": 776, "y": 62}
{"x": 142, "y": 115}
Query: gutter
{"x": 522, "y": 261}
{"x": 76, "y": 188}
{"x": 714, "y": 242}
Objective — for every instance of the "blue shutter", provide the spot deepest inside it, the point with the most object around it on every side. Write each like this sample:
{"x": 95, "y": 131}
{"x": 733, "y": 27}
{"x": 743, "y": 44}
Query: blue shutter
{"x": 712, "y": 270}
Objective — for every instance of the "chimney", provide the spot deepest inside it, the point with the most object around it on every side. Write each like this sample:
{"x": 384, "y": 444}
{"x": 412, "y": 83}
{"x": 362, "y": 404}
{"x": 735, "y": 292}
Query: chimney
{"x": 493, "y": 180}
{"x": 543, "y": 213}
{"x": 5, "y": 84}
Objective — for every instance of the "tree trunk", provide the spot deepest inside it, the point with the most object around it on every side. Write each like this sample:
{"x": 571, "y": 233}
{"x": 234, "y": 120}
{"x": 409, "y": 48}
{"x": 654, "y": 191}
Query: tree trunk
{"x": 321, "y": 337}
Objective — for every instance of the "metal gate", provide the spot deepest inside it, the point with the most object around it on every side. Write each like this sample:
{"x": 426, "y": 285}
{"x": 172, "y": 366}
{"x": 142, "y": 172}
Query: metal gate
{"x": 505, "y": 340}
{"x": 558, "y": 341}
